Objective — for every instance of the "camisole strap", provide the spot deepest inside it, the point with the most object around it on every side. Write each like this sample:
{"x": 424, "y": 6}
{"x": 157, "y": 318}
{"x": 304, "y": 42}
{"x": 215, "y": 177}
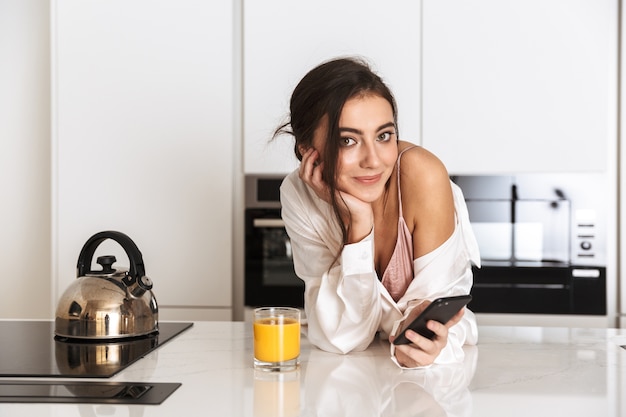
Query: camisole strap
{"x": 399, "y": 192}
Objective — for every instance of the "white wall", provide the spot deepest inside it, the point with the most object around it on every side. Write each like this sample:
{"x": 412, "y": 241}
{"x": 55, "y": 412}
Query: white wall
{"x": 25, "y": 159}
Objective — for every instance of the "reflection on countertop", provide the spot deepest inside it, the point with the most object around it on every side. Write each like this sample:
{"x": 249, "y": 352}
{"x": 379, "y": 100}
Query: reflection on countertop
{"x": 361, "y": 384}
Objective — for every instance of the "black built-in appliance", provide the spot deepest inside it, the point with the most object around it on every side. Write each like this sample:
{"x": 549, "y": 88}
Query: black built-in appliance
{"x": 542, "y": 239}
{"x": 270, "y": 279}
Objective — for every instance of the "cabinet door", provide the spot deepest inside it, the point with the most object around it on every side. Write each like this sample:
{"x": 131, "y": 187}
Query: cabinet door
{"x": 143, "y": 140}
{"x": 284, "y": 39}
{"x": 520, "y": 85}
{"x": 25, "y": 159}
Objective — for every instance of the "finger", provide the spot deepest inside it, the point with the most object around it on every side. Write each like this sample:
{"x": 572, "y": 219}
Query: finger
{"x": 430, "y": 346}
{"x": 411, "y": 357}
{"x": 312, "y": 163}
{"x": 420, "y": 342}
{"x": 440, "y": 330}
{"x": 316, "y": 173}
{"x": 306, "y": 166}
{"x": 406, "y": 360}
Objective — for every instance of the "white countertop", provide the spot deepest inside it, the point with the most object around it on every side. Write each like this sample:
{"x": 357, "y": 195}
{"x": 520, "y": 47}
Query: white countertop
{"x": 514, "y": 371}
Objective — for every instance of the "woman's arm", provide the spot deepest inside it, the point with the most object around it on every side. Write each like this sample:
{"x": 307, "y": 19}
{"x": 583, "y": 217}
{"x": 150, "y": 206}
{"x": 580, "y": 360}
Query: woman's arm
{"x": 443, "y": 253}
{"x": 342, "y": 301}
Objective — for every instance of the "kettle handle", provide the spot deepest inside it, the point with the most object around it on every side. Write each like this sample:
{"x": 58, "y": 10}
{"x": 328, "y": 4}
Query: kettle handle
{"x": 137, "y": 269}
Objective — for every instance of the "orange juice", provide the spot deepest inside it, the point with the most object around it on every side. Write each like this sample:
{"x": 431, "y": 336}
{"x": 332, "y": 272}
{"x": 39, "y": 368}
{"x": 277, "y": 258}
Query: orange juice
{"x": 276, "y": 339}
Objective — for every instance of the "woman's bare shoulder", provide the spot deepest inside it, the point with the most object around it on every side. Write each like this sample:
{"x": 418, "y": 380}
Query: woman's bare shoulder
{"x": 421, "y": 169}
{"x": 427, "y": 199}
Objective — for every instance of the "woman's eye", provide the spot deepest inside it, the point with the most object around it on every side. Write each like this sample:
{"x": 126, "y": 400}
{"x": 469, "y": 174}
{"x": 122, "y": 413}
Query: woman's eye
{"x": 383, "y": 137}
{"x": 347, "y": 141}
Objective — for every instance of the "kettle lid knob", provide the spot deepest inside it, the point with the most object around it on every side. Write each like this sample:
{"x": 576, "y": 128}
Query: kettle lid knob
{"x": 107, "y": 262}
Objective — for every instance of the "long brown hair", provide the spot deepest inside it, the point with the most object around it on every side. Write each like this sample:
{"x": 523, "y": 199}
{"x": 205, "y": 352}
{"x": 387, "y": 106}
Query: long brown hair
{"x": 322, "y": 93}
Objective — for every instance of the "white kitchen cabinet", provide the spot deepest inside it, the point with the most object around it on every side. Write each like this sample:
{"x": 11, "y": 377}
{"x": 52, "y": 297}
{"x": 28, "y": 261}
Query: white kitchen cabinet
{"x": 25, "y": 159}
{"x": 284, "y": 39}
{"x": 143, "y": 139}
{"x": 520, "y": 85}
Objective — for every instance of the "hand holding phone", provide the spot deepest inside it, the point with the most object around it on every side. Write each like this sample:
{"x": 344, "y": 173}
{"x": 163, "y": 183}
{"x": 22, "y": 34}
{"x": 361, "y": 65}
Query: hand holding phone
{"x": 440, "y": 310}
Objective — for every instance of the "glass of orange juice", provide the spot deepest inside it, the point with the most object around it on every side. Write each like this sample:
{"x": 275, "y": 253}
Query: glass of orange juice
{"x": 276, "y": 338}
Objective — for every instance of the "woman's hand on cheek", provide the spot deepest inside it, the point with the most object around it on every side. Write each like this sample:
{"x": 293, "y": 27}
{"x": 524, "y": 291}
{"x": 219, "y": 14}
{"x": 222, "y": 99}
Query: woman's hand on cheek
{"x": 357, "y": 215}
{"x": 311, "y": 173}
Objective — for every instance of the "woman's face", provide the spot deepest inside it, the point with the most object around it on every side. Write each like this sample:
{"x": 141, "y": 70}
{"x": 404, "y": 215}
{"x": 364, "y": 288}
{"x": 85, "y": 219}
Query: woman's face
{"x": 368, "y": 147}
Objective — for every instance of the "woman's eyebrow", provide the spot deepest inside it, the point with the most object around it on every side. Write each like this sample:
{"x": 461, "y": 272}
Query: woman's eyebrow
{"x": 360, "y": 132}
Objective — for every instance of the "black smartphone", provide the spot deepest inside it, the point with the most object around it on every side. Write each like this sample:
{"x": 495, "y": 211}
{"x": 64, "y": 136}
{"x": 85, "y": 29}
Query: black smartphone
{"x": 441, "y": 310}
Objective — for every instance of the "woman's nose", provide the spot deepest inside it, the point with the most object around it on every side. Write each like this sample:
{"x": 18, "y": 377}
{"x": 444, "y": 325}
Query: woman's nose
{"x": 369, "y": 157}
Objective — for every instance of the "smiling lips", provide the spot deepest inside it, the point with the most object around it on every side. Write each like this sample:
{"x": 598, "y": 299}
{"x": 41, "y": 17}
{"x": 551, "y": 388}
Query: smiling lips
{"x": 368, "y": 180}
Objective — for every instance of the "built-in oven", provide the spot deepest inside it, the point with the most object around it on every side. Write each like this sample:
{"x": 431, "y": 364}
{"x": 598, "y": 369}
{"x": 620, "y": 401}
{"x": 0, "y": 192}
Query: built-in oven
{"x": 269, "y": 277}
{"x": 542, "y": 239}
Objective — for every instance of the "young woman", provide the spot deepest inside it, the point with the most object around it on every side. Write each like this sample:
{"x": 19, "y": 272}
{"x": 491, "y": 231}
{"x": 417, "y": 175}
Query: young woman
{"x": 377, "y": 228}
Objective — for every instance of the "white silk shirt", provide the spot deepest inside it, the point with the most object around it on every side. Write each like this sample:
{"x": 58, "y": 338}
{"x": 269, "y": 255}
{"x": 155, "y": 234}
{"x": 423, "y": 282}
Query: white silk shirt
{"x": 346, "y": 304}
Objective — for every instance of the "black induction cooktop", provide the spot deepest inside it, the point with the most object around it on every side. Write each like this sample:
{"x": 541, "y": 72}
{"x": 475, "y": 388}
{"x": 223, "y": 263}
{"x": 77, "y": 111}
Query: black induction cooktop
{"x": 29, "y": 349}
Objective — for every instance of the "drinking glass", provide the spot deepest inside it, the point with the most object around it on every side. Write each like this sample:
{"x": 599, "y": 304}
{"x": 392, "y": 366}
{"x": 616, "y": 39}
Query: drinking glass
{"x": 276, "y": 338}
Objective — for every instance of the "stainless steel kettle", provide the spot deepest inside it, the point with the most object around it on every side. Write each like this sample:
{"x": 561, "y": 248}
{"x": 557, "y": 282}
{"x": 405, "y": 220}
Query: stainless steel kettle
{"x": 108, "y": 303}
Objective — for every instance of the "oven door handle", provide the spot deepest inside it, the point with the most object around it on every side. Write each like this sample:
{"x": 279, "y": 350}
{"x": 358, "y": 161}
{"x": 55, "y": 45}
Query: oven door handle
{"x": 525, "y": 286}
{"x": 268, "y": 223}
